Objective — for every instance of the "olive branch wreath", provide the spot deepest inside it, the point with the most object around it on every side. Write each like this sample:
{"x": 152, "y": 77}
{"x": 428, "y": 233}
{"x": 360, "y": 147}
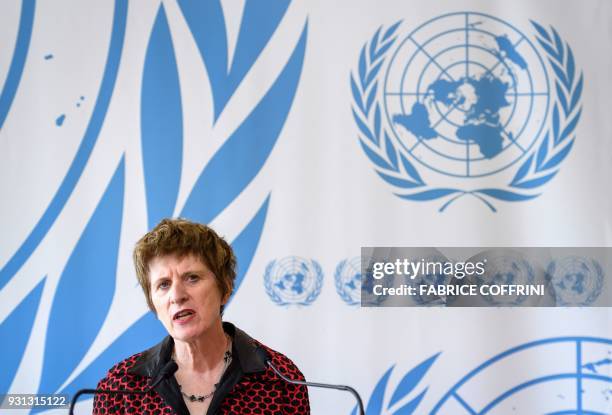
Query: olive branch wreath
{"x": 339, "y": 283}
{"x": 540, "y": 166}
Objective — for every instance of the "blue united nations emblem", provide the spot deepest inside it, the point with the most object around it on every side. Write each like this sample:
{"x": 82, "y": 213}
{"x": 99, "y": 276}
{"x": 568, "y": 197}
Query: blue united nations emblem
{"x": 575, "y": 281}
{"x": 293, "y": 280}
{"x": 434, "y": 278}
{"x": 507, "y": 269}
{"x": 348, "y": 280}
{"x": 466, "y": 104}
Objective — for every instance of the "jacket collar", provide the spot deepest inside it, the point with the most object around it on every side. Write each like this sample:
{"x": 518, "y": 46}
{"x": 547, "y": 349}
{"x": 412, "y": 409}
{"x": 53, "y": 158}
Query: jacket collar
{"x": 250, "y": 360}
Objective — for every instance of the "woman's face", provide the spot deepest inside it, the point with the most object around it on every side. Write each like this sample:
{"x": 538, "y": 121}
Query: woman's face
{"x": 185, "y": 296}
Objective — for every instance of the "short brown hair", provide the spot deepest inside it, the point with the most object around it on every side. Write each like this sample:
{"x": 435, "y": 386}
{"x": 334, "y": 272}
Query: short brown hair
{"x": 182, "y": 237}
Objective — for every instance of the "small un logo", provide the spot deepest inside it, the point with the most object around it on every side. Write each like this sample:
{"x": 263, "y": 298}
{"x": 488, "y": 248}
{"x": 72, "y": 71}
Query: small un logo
{"x": 506, "y": 269}
{"x": 463, "y": 101}
{"x": 348, "y": 280}
{"x": 293, "y": 280}
{"x": 575, "y": 281}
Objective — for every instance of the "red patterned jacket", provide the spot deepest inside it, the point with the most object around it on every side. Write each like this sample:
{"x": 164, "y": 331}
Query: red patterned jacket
{"x": 247, "y": 387}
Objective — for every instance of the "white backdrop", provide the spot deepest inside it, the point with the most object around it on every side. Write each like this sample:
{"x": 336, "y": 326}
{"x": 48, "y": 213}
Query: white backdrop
{"x": 242, "y": 114}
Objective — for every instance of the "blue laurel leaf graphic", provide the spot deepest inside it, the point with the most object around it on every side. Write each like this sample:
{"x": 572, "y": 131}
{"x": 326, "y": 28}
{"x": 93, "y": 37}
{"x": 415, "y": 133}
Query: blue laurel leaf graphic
{"x": 541, "y": 31}
{"x": 562, "y": 98}
{"x": 161, "y": 123}
{"x": 577, "y": 93}
{"x": 571, "y": 66}
{"x": 143, "y": 334}
{"x": 22, "y": 45}
{"x": 357, "y": 98}
{"x": 559, "y": 72}
{"x": 377, "y": 123}
{"x": 17, "y": 327}
{"x": 549, "y": 49}
{"x": 362, "y": 66}
{"x": 571, "y": 126}
{"x": 411, "y": 379}
{"x": 399, "y": 182}
{"x": 542, "y": 153}
{"x": 391, "y": 30}
{"x": 373, "y": 73}
{"x": 411, "y": 406}
{"x": 364, "y": 129}
{"x": 403, "y": 389}
{"x": 371, "y": 97}
{"x": 559, "y": 45}
{"x": 375, "y": 158}
{"x": 549, "y": 157}
{"x": 383, "y": 49}
{"x": 507, "y": 195}
{"x": 244, "y": 153}
{"x": 318, "y": 284}
{"x": 84, "y": 151}
{"x": 410, "y": 170}
{"x": 429, "y": 194}
{"x": 530, "y": 184}
{"x": 556, "y": 124}
{"x": 375, "y": 404}
{"x": 374, "y": 42}
{"x": 259, "y": 21}
{"x": 391, "y": 154}
{"x": 207, "y": 24}
{"x": 523, "y": 170}
{"x": 86, "y": 287}
{"x": 558, "y": 158}
{"x": 246, "y": 243}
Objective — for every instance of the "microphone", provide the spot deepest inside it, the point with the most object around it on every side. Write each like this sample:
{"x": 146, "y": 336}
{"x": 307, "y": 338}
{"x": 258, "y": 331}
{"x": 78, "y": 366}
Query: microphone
{"x": 268, "y": 361}
{"x": 168, "y": 370}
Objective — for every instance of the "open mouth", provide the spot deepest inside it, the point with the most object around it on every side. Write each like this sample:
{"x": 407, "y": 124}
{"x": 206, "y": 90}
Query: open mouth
{"x": 183, "y": 315}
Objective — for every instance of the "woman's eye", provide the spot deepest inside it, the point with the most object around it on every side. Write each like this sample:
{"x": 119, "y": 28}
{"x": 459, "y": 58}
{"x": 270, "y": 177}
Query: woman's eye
{"x": 193, "y": 277}
{"x": 163, "y": 285}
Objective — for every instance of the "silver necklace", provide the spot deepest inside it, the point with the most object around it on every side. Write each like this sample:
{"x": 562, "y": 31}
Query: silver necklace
{"x": 227, "y": 359}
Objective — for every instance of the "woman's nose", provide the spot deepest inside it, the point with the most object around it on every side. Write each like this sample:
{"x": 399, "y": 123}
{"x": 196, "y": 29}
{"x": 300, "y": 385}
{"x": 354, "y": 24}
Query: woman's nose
{"x": 178, "y": 295}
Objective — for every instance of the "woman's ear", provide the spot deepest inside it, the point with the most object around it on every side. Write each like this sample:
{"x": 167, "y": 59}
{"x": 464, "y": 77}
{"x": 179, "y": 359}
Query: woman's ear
{"x": 225, "y": 298}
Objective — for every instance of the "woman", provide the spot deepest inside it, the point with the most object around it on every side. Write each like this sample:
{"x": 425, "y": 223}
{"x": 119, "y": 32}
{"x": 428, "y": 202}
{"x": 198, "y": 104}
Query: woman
{"x": 187, "y": 274}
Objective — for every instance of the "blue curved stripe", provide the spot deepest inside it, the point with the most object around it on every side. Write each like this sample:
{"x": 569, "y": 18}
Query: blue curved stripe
{"x": 245, "y": 244}
{"x": 259, "y": 22}
{"x": 161, "y": 123}
{"x": 17, "y": 327}
{"x": 411, "y": 380}
{"x": 207, "y": 25}
{"x": 509, "y": 352}
{"x": 536, "y": 381}
{"x": 82, "y": 155}
{"x": 143, "y": 334}
{"x": 242, "y": 156}
{"x": 375, "y": 404}
{"x": 86, "y": 288}
{"x": 19, "y": 56}
{"x": 260, "y": 19}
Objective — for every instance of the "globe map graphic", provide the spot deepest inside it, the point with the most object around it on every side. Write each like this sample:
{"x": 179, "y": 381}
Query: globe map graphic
{"x": 466, "y": 94}
{"x": 558, "y": 376}
{"x": 293, "y": 279}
